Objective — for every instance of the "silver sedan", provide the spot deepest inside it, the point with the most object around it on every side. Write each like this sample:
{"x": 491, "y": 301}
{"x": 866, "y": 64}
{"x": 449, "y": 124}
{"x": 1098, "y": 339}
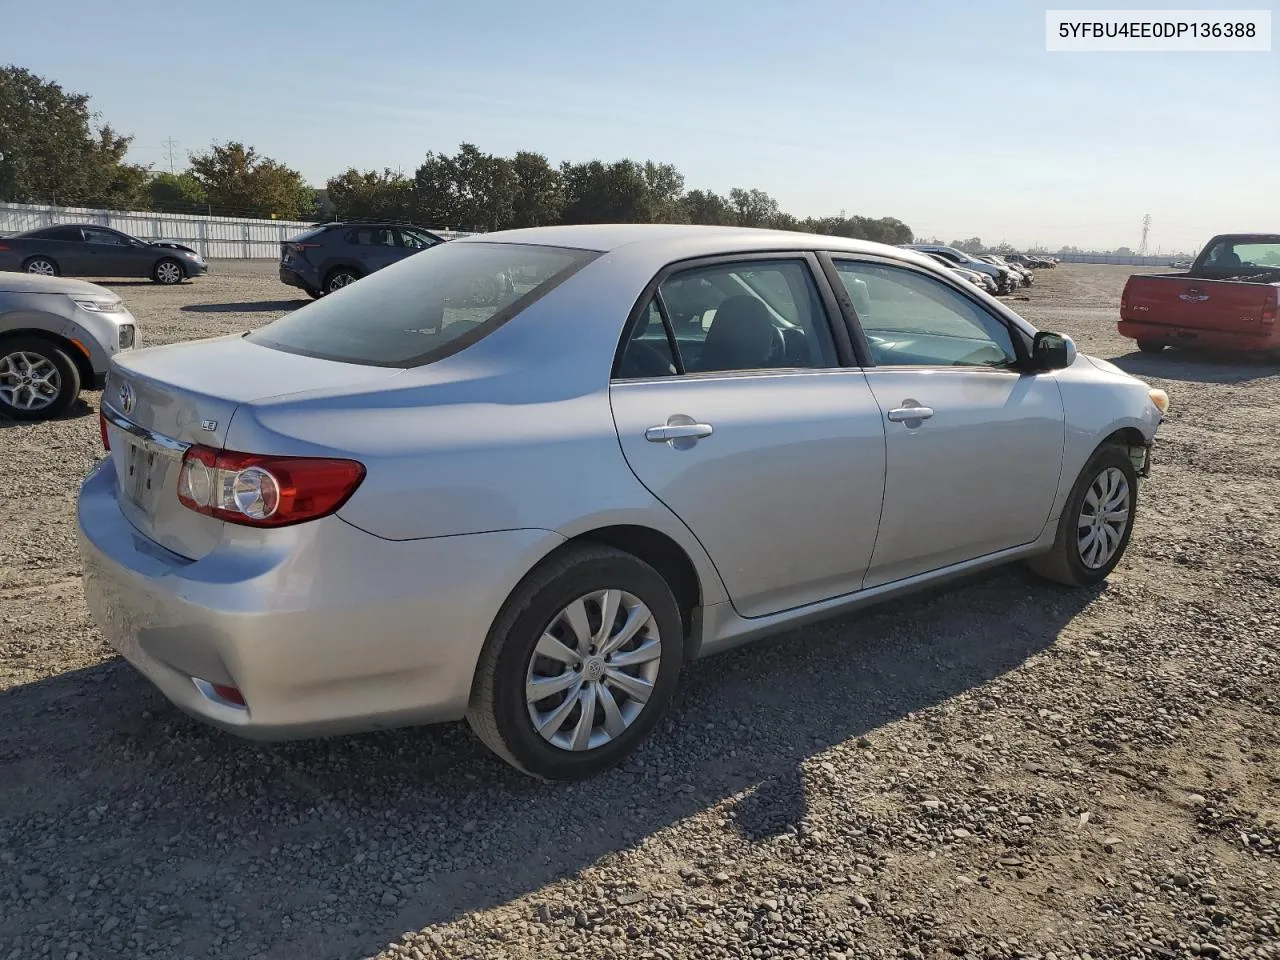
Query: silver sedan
{"x": 523, "y": 477}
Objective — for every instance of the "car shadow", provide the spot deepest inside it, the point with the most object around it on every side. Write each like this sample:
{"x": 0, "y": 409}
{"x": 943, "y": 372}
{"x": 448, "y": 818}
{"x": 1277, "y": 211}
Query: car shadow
{"x": 362, "y": 838}
{"x": 255, "y": 306}
{"x": 1200, "y": 366}
{"x": 78, "y": 409}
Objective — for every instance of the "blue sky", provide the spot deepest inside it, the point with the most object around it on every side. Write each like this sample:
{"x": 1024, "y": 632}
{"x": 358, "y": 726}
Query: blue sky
{"x": 950, "y": 116}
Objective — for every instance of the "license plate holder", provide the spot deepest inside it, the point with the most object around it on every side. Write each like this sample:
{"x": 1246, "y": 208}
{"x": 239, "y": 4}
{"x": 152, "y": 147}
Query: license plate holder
{"x": 139, "y": 475}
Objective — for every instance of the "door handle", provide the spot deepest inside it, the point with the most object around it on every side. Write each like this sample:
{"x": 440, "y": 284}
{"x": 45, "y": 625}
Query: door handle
{"x": 667, "y": 432}
{"x": 907, "y": 414}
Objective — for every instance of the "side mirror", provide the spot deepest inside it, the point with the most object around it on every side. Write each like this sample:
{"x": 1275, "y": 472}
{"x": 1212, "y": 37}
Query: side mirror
{"x": 1052, "y": 351}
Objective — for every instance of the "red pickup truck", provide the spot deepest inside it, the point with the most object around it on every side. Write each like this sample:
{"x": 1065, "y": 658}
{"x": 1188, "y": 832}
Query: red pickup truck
{"x": 1228, "y": 300}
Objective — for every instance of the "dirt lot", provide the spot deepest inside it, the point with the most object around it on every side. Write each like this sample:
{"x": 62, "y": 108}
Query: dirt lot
{"x": 1004, "y": 769}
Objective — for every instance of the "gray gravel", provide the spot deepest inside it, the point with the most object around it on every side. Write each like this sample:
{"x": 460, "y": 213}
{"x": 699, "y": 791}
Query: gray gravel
{"x": 1001, "y": 769}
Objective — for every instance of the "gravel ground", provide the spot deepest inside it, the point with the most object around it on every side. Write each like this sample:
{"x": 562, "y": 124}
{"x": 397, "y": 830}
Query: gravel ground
{"x": 1003, "y": 769}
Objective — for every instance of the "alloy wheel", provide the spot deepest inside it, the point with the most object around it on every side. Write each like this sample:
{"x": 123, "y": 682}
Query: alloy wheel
{"x": 28, "y": 381}
{"x": 168, "y": 272}
{"x": 42, "y": 268}
{"x": 593, "y": 670}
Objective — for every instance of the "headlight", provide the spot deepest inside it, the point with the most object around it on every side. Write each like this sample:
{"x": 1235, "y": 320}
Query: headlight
{"x": 1160, "y": 399}
{"x": 99, "y": 306}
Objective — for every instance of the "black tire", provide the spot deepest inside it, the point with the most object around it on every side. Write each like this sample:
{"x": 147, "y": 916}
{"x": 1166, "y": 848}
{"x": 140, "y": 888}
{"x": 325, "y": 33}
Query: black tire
{"x": 340, "y": 277}
{"x": 1064, "y": 563}
{"x": 44, "y": 266}
{"x": 315, "y": 294}
{"x": 1151, "y": 346}
{"x": 168, "y": 271}
{"x": 26, "y": 347}
{"x": 498, "y": 712}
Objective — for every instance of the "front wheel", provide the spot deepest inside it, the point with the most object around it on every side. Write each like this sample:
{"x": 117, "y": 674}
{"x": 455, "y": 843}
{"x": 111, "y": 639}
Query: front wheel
{"x": 168, "y": 272}
{"x": 38, "y": 381}
{"x": 1096, "y": 522}
{"x": 579, "y": 665}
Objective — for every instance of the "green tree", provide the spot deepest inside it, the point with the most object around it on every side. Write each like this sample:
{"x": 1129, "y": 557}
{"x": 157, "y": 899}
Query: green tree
{"x": 972, "y": 245}
{"x": 470, "y": 190}
{"x": 55, "y": 151}
{"x": 358, "y": 194}
{"x": 707, "y": 207}
{"x": 241, "y": 182}
{"x": 539, "y": 198}
{"x": 176, "y": 193}
{"x": 753, "y": 208}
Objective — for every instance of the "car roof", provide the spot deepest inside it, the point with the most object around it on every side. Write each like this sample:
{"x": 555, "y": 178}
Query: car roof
{"x": 690, "y": 239}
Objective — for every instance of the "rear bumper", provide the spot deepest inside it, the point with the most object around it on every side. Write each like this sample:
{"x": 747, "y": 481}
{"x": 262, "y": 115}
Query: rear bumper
{"x": 1267, "y": 339}
{"x": 325, "y": 630}
{"x": 295, "y": 278}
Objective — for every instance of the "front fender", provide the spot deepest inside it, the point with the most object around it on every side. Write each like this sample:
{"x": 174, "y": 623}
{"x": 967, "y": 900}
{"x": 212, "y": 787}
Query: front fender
{"x": 1099, "y": 403}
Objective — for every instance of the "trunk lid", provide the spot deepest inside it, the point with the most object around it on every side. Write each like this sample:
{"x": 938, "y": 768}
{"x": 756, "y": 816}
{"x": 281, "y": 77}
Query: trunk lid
{"x": 1194, "y": 304}
{"x": 160, "y": 400}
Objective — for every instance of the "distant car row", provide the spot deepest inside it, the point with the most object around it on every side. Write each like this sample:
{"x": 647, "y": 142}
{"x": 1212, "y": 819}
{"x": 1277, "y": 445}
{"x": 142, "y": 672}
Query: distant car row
{"x": 992, "y": 272}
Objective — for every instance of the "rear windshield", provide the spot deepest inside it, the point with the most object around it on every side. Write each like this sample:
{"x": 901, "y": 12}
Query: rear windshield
{"x": 425, "y": 307}
{"x": 308, "y": 234}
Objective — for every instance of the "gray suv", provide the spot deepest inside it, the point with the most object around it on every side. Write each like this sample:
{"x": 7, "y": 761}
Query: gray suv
{"x": 336, "y": 254}
{"x": 56, "y": 336}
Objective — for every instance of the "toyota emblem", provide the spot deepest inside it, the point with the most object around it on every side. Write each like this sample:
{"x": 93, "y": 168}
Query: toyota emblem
{"x": 127, "y": 398}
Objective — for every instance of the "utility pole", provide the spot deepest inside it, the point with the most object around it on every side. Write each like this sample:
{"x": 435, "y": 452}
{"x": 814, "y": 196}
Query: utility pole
{"x": 170, "y": 146}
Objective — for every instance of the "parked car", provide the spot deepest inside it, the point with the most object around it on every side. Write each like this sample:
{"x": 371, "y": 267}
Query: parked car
{"x": 88, "y": 250}
{"x": 1006, "y": 281}
{"x": 1023, "y": 273}
{"x": 334, "y": 255}
{"x": 1228, "y": 300}
{"x": 984, "y": 281}
{"x": 387, "y": 508}
{"x": 56, "y": 337}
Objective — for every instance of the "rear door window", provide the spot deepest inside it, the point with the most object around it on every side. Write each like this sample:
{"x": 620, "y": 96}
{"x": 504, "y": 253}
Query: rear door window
{"x": 748, "y": 315}
{"x": 372, "y": 237}
{"x": 59, "y": 233}
{"x": 425, "y": 307}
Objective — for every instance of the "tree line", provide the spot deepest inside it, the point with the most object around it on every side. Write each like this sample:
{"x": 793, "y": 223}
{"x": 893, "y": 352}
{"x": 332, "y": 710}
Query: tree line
{"x": 54, "y": 150}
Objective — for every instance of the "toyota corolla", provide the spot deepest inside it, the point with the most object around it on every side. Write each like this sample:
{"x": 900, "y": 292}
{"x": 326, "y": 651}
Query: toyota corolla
{"x": 524, "y": 477}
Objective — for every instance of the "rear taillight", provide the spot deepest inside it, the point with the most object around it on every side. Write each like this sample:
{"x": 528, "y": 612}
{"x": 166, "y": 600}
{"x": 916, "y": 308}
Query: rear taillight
{"x": 1270, "y": 310}
{"x": 102, "y": 432}
{"x": 261, "y": 491}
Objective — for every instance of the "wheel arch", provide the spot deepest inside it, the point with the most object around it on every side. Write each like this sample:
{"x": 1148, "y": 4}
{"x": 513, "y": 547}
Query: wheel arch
{"x": 42, "y": 256}
{"x": 84, "y": 365}
{"x": 155, "y": 265}
{"x": 665, "y": 555}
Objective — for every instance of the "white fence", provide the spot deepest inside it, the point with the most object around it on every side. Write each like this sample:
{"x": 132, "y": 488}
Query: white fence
{"x": 214, "y": 237}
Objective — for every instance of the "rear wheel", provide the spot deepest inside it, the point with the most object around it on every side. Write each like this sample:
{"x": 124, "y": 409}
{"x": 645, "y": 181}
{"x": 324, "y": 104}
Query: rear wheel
{"x": 38, "y": 381}
{"x": 339, "y": 278}
{"x": 41, "y": 266}
{"x": 168, "y": 272}
{"x": 1150, "y": 346}
{"x": 579, "y": 665}
{"x": 1096, "y": 522}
